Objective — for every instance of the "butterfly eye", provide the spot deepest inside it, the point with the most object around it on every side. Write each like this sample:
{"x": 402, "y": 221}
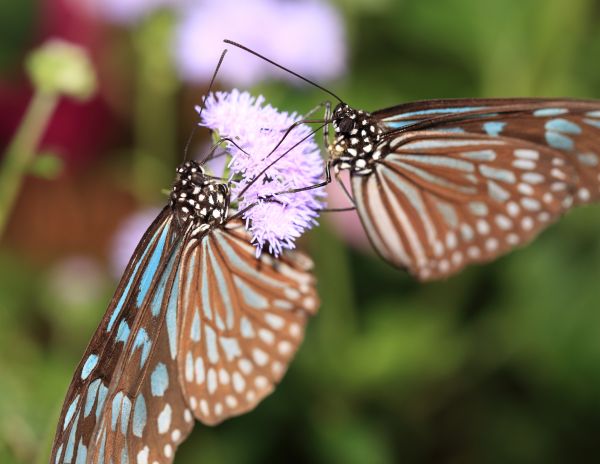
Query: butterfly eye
{"x": 346, "y": 125}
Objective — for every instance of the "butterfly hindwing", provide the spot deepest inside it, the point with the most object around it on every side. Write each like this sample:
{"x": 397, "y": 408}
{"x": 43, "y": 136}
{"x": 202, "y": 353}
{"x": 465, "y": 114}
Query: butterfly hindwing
{"x": 438, "y": 200}
{"x": 244, "y": 319}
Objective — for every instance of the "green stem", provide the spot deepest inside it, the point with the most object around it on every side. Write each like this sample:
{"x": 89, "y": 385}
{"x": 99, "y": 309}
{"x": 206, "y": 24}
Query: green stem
{"x": 20, "y": 152}
{"x": 155, "y": 107}
{"x": 337, "y": 320}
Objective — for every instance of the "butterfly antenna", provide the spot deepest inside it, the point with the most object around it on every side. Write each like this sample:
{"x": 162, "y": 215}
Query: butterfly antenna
{"x": 262, "y": 57}
{"x": 210, "y": 86}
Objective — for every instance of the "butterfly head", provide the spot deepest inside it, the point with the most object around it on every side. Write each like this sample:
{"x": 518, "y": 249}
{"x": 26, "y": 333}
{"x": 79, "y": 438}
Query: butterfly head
{"x": 198, "y": 199}
{"x": 357, "y": 135}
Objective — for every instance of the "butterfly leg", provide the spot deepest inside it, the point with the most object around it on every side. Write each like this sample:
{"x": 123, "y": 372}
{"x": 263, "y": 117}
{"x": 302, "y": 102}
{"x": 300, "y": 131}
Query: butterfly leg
{"x": 326, "y": 142}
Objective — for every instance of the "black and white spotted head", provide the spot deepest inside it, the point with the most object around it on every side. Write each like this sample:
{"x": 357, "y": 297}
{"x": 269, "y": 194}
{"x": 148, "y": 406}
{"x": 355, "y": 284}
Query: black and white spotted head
{"x": 198, "y": 199}
{"x": 357, "y": 136}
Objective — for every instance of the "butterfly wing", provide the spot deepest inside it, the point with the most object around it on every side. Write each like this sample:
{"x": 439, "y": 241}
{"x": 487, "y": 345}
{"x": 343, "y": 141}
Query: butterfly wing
{"x": 119, "y": 342}
{"x": 130, "y": 400}
{"x": 439, "y": 200}
{"x": 571, "y": 127}
{"x": 244, "y": 319}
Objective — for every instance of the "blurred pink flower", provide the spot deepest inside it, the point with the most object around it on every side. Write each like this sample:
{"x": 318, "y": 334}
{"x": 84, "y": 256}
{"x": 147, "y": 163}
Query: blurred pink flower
{"x": 346, "y": 224}
{"x": 307, "y": 35}
{"x": 127, "y": 236}
{"x": 77, "y": 280}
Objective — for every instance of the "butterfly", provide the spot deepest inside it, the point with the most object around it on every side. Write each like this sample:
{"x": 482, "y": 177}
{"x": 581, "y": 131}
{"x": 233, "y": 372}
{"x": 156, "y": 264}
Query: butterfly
{"x": 198, "y": 328}
{"x": 442, "y": 184}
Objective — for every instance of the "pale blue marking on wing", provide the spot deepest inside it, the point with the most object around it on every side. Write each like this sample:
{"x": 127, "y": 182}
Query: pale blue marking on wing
{"x": 459, "y": 109}
{"x": 58, "y": 454}
{"x": 205, "y": 289}
{"x": 211, "y": 344}
{"x": 122, "y": 332}
{"x": 493, "y": 128}
{"x": 142, "y": 340}
{"x": 559, "y": 141}
{"x": 449, "y": 214}
{"x": 562, "y": 125}
{"x": 592, "y": 122}
{"x": 102, "y": 392}
{"x": 503, "y": 175}
{"x": 442, "y": 143}
{"x": 589, "y": 159}
{"x": 195, "y": 329}
{"x": 124, "y": 455}
{"x": 399, "y": 124}
{"x": 71, "y": 443}
{"x": 246, "y": 328}
{"x": 140, "y": 416}
{"x": 549, "y": 112}
{"x": 454, "y": 130}
{"x": 231, "y": 347}
{"x": 152, "y": 265}
{"x": 439, "y": 161}
{"x": 70, "y": 412}
{"x": 125, "y": 412}
{"x": 116, "y": 409}
{"x": 102, "y": 446}
{"x": 132, "y": 277}
{"x": 81, "y": 453}
{"x": 91, "y": 397}
{"x": 159, "y": 380}
{"x": 480, "y": 155}
{"x": 89, "y": 366}
{"x": 119, "y": 306}
{"x": 223, "y": 290}
{"x": 157, "y": 298}
{"x": 593, "y": 114}
{"x": 251, "y": 297}
{"x": 171, "y": 316}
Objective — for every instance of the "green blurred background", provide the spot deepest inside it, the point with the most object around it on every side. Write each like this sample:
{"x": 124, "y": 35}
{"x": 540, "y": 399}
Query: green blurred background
{"x": 500, "y": 364}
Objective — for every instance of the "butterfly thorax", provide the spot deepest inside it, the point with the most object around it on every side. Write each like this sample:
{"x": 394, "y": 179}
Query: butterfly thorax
{"x": 357, "y": 136}
{"x": 198, "y": 200}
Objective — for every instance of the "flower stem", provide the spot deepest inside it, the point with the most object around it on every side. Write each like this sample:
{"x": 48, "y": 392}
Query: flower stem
{"x": 155, "y": 107}
{"x": 21, "y": 151}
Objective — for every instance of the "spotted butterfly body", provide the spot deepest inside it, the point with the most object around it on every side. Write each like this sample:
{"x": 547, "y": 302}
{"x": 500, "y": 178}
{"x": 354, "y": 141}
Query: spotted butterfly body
{"x": 445, "y": 183}
{"x": 198, "y": 328}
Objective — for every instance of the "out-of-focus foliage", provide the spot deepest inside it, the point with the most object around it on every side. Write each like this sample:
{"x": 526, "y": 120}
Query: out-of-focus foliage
{"x": 500, "y": 364}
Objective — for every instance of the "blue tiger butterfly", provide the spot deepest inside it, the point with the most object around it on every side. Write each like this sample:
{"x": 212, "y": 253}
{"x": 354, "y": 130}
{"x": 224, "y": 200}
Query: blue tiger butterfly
{"x": 441, "y": 184}
{"x": 198, "y": 328}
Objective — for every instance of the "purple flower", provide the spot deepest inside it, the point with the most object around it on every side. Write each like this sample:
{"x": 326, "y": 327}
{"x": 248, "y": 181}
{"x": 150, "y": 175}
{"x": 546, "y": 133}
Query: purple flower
{"x": 307, "y": 36}
{"x": 258, "y": 128}
{"x": 127, "y": 236}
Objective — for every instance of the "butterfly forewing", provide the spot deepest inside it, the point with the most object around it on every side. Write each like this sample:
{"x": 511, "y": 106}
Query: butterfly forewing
{"x": 571, "y": 127}
{"x": 244, "y": 320}
{"x": 86, "y": 399}
{"x": 440, "y": 200}
{"x": 144, "y": 417}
